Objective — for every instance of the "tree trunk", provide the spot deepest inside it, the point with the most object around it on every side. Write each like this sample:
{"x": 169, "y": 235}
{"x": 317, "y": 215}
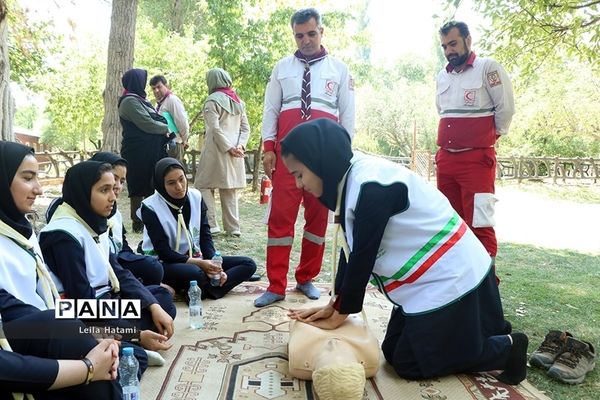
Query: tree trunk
{"x": 6, "y": 100}
{"x": 177, "y": 17}
{"x": 120, "y": 59}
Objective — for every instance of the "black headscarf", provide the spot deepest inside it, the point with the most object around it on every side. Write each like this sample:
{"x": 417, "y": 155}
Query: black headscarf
{"x": 108, "y": 157}
{"x": 112, "y": 159}
{"x": 324, "y": 147}
{"x": 160, "y": 170}
{"x": 77, "y": 192}
{"x": 134, "y": 81}
{"x": 11, "y": 157}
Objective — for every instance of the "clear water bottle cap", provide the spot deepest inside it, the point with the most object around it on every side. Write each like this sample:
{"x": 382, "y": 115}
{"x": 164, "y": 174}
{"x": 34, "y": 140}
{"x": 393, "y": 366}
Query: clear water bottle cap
{"x": 127, "y": 351}
{"x": 193, "y": 283}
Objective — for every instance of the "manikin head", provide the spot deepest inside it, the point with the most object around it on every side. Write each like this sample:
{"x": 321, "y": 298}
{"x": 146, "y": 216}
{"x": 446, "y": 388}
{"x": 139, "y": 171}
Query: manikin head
{"x": 337, "y": 372}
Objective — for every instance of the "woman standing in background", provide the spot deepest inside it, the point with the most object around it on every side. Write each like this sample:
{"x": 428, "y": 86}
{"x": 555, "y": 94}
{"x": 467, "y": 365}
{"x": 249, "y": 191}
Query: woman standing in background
{"x": 145, "y": 134}
{"x": 221, "y": 164}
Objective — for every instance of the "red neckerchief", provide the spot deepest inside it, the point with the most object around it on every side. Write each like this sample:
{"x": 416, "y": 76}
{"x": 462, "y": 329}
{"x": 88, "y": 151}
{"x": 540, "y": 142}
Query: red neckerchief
{"x": 159, "y": 103}
{"x": 311, "y": 59}
{"x": 305, "y": 95}
{"x": 230, "y": 93}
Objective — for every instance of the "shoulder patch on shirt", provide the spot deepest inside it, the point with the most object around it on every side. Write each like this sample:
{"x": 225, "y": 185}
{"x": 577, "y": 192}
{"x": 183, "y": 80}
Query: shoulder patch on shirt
{"x": 493, "y": 78}
{"x": 350, "y": 82}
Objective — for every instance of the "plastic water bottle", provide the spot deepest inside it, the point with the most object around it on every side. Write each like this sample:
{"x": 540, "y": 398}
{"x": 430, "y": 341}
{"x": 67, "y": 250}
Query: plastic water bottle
{"x": 194, "y": 293}
{"x": 128, "y": 375}
{"x": 215, "y": 280}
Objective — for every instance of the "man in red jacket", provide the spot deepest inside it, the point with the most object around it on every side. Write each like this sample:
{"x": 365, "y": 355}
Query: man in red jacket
{"x": 305, "y": 86}
{"x": 475, "y": 103}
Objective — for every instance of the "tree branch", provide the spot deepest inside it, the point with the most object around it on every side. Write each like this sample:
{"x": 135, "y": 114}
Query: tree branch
{"x": 574, "y": 7}
{"x": 591, "y": 22}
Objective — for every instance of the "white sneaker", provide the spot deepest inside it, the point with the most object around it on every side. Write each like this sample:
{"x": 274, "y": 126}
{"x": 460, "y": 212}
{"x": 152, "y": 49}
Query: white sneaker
{"x": 216, "y": 229}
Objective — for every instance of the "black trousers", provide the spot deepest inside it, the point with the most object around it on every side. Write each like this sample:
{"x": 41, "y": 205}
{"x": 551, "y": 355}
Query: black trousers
{"x": 465, "y": 336}
{"x": 238, "y": 269}
{"x": 57, "y": 339}
{"x": 146, "y": 269}
{"x": 164, "y": 299}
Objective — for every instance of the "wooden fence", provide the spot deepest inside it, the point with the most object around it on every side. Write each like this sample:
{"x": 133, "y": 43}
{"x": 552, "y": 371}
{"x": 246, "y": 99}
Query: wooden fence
{"x": 548, "y": 168}
{"x": 54, "y": 164}
{"x": 520, "y": 168}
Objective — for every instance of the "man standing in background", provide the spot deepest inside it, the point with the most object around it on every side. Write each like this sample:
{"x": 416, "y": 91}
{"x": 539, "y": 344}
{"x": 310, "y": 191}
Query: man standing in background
{"x": 171, "y": 107}
{"x": 475, "y": 103}
{"x": 307, "y": 85}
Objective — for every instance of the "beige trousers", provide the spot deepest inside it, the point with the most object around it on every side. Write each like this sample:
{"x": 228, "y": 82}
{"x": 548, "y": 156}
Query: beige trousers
{"x": 229, "y": 209}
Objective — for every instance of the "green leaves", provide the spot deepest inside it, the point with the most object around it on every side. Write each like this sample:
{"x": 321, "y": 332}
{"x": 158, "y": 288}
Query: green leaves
{"x": 29, "y": 45}
{"x": 74, "y": 103}
{"x": 525, "y": 33}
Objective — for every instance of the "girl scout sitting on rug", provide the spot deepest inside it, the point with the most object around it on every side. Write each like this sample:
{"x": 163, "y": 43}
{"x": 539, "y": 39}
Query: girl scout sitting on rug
{"x": 147, "y": 269}
{"x": 76, "y": 246}
{"x": 176, "y": 230}
{"x": 402, "y": 235}
{"x": 51, "y": 366}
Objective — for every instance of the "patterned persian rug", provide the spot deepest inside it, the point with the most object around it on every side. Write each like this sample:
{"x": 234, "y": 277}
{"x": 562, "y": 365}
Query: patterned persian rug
{"x": 241, "y": 353}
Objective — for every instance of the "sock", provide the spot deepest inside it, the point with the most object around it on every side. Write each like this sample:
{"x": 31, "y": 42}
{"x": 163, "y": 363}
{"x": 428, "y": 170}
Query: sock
{"x": 268, "y": 298}
{"x": 154, "y": 358}
{"x": 309, "y": 290}
{"x": 507, "y": 328}
{"x": 516, "y": 365}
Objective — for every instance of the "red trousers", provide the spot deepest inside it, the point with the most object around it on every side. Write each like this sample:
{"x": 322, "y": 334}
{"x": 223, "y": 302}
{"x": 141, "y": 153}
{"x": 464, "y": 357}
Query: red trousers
{"x": 285, "y": 203}
{"x": 461, "y": 175}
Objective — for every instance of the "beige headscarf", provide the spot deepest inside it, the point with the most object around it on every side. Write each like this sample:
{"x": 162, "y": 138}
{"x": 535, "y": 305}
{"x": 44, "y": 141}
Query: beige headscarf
{"x": 219, "y": 86}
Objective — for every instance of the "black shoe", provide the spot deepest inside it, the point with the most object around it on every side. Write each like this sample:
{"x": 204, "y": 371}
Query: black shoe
{"x": 254, "y": 278}
{"x": 516, "y": 365}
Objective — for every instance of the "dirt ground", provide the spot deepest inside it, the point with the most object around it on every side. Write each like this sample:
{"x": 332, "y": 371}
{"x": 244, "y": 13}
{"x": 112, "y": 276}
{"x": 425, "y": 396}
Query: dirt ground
{"x": 530, "y": 218}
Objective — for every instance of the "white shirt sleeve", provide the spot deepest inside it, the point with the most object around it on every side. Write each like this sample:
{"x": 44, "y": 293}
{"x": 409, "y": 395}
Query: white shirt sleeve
{"x": 180, "y": 118}
{"x": 272, "y": 108}
{"x": 499, "y": 87}
{"x": 346, "y": 102}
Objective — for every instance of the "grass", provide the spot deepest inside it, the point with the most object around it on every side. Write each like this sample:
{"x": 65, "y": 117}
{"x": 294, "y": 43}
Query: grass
{"x": 545, "y": 289}
{"x": 541, "y": 289}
